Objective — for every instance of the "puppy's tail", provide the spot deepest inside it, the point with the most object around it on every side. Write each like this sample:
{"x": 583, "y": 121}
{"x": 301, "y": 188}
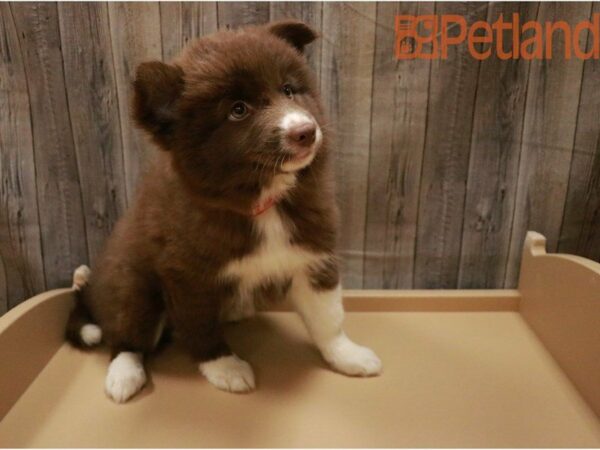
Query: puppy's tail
{"x": 81, "y": 331}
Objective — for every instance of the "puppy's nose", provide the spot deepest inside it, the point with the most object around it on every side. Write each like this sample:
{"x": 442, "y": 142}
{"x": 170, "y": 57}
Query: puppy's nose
{"x": 302, "y": 134}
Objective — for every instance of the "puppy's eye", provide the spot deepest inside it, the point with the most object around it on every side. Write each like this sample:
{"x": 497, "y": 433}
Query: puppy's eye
{"x": 288, "y": 90}
{"x": 239, "y": 111}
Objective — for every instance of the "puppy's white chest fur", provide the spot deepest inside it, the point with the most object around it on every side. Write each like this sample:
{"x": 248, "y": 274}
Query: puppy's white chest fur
{"x": 274, "y": 259}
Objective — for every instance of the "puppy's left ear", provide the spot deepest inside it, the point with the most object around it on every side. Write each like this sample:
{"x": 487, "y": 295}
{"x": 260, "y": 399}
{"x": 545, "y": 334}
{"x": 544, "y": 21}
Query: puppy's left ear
{"x": 296, "y": 33}
{"x": 157, "y": 87}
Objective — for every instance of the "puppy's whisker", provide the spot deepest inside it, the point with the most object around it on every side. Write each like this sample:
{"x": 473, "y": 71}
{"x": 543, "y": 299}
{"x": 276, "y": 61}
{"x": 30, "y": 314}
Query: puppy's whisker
{"x": 277, "y": 164}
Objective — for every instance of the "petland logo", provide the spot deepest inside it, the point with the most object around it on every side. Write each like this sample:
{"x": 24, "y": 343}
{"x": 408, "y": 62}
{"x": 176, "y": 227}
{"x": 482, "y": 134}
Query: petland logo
{"x": 430, "y": 37}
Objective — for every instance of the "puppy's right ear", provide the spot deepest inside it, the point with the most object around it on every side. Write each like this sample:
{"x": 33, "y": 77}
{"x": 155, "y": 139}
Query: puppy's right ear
{"x": 294, "y": 32}
{"x": 157, "y": 88}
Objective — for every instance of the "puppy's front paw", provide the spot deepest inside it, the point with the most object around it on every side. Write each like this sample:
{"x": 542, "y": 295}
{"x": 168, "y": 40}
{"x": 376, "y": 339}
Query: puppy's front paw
{"x": 229, "y": 373}
{"x": 125, "y": 377}
{"x": 351, "y": 359}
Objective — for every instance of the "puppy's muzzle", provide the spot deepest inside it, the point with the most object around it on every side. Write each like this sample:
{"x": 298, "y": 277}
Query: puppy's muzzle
{"x": 301, "y": 138}
{"x": 301, "y": 135}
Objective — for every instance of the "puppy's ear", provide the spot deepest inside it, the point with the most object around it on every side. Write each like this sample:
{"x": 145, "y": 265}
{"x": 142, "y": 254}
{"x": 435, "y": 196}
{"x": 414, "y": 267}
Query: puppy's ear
{"x": 157, "y": 88}
{"x": 296, "y": 33}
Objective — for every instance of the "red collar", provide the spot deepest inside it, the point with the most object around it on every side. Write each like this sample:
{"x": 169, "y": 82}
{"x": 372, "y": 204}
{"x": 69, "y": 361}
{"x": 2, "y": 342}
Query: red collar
{"x": 261, "y": 207}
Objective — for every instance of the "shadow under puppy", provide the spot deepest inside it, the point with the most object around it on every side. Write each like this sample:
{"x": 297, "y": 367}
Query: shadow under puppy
{"x": 239, "y": 205}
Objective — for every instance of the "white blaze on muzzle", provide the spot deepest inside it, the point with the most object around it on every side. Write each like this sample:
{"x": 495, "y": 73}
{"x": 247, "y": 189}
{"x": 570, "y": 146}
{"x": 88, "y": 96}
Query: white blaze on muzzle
{"x": 305, "y": 154}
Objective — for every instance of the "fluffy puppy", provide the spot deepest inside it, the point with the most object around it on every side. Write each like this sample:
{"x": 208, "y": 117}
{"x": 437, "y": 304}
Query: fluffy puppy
{"x": 238, "y": 206}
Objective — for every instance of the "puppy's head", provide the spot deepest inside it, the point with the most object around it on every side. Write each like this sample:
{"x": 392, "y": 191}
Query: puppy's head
{"x": 236, "y": 107}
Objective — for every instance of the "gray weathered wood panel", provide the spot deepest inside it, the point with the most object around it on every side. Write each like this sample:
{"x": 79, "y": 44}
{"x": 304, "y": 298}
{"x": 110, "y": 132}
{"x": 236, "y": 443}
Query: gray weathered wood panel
{"x": 450, "y": 107}
{"x": 94, "y": 112}
{"x": 236, "y": 14}
{"x": 398, "y": 127}
{"x": 171, "y": 29}
{"x": 581, "y": 219}
{"x": 441, "y": 165}
{"x": 21, "y": 266}
{"x": 4, "y": 296}
{"x": 58, "y": 184}
{"x": 548, "y": 135}
{"x": 346, "y": 82}
{"x": 182, "y": 22}
{"x": 494, "y": 161}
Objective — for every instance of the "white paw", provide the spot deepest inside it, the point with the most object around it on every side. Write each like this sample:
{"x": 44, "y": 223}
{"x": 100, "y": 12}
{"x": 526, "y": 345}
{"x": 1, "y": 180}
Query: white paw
{"x": 229, "y": 373}
{"x": 125, "y": 377}
{"x": 351, "y": 359}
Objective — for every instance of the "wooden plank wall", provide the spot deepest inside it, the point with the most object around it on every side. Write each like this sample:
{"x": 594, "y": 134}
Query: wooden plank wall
{"x": 442, "y": 165}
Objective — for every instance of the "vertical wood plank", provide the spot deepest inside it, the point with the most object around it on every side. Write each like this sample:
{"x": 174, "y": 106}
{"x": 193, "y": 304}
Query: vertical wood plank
{"x": 94, "y": 112}
{"x": 446, "y": 159}
{"x": 182, "y": 22}
{"x": 548, "y": 135}
{"x": 58, "y": 184}
{"x": 198, "y": 19}
{"x": 580, "y": 232}
{"x": 494, "y": 160}
{"x": 170, "y": 29}
{"x": 398, "y": 127}
{"x": 136, "y": 37}
{"x": 346, "y": 82}
{"x": 3, "y": 287}
{"x": 231, "y": 15}
{"x": 310, "y": 13}
{"x": 21, "y": 268}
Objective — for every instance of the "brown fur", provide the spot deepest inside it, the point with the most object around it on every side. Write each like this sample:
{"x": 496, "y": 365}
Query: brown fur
{"x": 191, "y": 212}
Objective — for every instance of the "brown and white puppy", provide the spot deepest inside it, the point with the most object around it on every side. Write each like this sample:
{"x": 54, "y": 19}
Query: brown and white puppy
{"x": 238, "y": 206}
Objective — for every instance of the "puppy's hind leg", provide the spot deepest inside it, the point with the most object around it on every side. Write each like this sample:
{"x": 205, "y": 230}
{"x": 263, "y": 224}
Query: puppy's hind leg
{"x": 195, "y": 313}
{"x": 132, "y": 334}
